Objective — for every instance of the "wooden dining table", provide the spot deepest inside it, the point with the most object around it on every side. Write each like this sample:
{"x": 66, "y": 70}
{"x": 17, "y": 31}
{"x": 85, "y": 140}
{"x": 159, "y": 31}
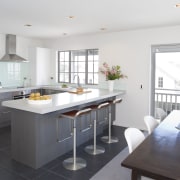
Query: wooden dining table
{"x": 158, "y": 156}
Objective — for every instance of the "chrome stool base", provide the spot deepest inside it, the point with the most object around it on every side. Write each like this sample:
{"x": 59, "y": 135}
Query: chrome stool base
{"x": 90, "y": 150}
{"x": 106, "y": 139}
{"x": 69, "y": 164}
{"x": 74, "y": 163}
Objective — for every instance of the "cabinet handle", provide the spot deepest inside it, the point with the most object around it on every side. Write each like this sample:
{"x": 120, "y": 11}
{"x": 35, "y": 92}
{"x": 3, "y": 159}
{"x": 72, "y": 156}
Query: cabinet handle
{"x": 6, "y": 112}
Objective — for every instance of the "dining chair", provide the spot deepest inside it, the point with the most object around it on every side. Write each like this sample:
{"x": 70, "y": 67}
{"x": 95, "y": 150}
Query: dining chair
{"x": 160, "y": 114}
{"x": 151, "y": 123}
{"x": 133, "y": 138}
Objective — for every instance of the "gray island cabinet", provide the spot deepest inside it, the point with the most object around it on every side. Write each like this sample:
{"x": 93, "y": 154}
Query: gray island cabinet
{"x": 5, "y": 113}
{"x": 38, "y": 133}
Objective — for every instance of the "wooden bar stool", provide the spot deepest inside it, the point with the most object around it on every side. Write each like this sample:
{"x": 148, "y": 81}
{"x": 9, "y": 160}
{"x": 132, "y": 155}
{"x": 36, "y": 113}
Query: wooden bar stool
{"x": 94, "y": 149}
{"x": 74, "y": 163}
{"x": 110, "y": 139}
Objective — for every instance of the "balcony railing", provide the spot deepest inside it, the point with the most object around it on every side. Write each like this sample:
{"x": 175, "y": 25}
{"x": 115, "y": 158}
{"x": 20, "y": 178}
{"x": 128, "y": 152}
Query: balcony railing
{"x": 167, "y": 99}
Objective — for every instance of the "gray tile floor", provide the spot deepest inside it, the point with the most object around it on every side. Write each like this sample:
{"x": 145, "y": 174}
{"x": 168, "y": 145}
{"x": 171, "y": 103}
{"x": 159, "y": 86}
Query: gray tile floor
{"x": 12, "y": 170}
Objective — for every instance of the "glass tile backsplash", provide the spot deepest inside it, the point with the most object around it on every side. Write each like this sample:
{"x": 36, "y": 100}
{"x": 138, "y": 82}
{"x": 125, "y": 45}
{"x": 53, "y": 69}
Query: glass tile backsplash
{"x": 13, "y": 73}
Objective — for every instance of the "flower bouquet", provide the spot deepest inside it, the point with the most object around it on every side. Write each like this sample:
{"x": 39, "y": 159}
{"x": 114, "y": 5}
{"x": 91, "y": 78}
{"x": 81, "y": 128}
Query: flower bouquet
{"x": 112, "y": 73}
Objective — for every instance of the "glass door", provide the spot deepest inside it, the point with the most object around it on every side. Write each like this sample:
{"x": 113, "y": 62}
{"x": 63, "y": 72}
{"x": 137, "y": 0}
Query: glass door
{"x": 165, "y": 78}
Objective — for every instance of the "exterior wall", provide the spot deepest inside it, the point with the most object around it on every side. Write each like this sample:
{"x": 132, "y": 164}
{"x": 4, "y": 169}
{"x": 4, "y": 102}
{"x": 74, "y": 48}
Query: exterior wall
{"x": 168, "y": 83}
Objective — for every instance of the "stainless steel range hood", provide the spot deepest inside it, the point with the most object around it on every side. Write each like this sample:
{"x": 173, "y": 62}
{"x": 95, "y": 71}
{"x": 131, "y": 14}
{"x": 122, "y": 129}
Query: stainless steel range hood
{"x": 11, "y": 55}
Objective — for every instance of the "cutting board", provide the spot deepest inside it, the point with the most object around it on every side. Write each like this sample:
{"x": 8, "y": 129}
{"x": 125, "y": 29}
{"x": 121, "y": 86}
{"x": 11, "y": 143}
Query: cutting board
{"x": 76, "y": 92}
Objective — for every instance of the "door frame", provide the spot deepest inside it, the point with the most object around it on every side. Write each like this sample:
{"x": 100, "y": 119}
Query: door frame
{"x": 158, "y": 49}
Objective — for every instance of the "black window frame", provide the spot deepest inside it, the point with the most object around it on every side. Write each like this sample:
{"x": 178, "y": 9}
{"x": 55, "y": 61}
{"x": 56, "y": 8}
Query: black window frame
{"x": 71, "y": 73}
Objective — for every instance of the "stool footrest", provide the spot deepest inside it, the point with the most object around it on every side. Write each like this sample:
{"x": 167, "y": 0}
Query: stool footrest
{"x": 64, "y": 139}
{"x": 101, "y": 122}
{"x": 86, "y": 129}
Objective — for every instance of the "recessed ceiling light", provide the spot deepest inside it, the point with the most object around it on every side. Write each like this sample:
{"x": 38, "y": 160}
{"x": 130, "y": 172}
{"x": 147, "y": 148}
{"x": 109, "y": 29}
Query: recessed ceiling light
{"x": 103, "y": 29}
{"x": 28, "y": 25}
{"x": 71, "y": 17}
{"x": 178, "y": 5}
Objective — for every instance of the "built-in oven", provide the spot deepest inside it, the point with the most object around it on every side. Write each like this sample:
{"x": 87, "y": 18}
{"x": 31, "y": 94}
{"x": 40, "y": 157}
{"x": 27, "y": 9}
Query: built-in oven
{"x": 21, "y": 94}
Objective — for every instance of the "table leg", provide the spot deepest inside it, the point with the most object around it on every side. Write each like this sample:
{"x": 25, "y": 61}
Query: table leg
{"x": 135, "y": 175}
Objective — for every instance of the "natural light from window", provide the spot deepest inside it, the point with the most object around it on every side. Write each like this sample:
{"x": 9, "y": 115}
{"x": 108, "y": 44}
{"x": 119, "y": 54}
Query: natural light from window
{"x": 168, "y": 70}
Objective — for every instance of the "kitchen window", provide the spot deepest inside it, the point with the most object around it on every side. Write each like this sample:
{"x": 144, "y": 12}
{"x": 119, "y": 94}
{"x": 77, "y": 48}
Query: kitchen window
{"x": 82, "y": 63}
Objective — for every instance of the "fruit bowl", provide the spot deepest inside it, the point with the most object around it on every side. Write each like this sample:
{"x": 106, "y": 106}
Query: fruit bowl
{"x": 36, "y": 98}
{"x": 39, "y": 102}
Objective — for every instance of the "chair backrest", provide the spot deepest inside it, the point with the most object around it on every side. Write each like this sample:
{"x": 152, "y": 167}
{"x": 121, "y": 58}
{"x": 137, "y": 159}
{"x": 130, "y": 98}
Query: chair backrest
{"x": 160, "y": 113}
{"x": 133, "y": 137}
{"x": 151, "y": 123}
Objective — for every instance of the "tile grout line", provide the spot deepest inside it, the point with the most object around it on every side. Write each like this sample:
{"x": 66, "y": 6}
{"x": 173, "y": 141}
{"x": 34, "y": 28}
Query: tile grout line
{"x": 13, "y": 172}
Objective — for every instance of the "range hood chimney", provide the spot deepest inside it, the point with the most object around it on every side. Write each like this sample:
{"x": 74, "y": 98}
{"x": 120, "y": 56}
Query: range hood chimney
{"x": 11, "y": 55}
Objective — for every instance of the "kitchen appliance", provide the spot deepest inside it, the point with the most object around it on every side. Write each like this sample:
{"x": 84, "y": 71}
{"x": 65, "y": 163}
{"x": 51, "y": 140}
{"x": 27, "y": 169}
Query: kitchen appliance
{"x": 11, "y": 55}
{"x": 21, "y": 94}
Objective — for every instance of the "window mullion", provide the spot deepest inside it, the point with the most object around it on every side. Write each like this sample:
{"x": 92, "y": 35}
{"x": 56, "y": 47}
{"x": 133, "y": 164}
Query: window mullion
{"x": 59, "y": 67}
{"x": 86, "y": 67}
{"x": 70, "y": 54}
{"x": 93, "y": 66}
{"x": 78, "y": 62}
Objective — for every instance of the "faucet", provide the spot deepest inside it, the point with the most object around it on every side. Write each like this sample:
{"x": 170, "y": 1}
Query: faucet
{"x": 78, "y": 80}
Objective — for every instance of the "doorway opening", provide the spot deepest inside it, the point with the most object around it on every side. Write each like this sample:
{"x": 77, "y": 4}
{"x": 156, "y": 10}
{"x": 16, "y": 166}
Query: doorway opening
{"x": 165, "y": 78}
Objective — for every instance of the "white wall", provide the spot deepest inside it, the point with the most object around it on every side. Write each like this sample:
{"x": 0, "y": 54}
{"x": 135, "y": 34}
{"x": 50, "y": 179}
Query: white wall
{"x": 131, "y": 50}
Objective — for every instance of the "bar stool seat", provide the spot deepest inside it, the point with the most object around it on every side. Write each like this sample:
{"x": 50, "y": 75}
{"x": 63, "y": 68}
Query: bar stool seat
{"x": 111, "y": 139}
{"x": 95, "y": 149}
{"x": 74, "y": 163}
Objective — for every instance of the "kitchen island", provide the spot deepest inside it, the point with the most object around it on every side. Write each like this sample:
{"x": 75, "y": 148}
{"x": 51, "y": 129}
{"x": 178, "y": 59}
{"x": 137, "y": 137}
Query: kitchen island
{"x": 36, "y": 137}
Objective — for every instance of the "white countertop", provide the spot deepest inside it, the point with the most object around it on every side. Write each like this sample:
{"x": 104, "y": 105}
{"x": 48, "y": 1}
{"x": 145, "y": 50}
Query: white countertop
{"x": 16, "y": 88}
{"x": 61, "y": 101}
{"x": 12, "y": 89}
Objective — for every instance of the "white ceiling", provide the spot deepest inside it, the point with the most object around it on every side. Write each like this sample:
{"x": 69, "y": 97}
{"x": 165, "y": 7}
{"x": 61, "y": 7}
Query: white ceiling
{"x": 49, "y": 17}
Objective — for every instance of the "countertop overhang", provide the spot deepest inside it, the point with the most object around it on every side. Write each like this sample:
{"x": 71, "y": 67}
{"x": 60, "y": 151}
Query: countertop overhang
{"x": 62, "y": 101}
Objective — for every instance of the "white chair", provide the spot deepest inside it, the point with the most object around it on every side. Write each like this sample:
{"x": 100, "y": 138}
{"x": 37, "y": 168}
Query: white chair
{"x": 133, "y": 137}
{"x": 160, "y": 114}
{"x": 151, "y": 123}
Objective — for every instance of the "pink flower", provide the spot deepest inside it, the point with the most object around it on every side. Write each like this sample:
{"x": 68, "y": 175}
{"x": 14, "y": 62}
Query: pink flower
{"x": 105, "y": 65}
{"x": 111, "y": 73}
